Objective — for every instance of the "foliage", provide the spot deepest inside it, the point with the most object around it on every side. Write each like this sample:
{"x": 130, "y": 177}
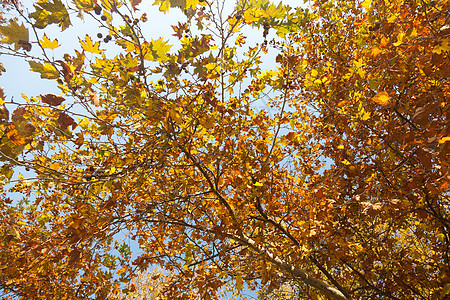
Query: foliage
{"x": 159, "y": 154}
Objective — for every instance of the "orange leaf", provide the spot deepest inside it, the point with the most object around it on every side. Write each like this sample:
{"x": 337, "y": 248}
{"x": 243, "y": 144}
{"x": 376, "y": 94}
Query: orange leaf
{"x": 94, "y": 98}
{"x": 375, "y": 51}
{"x": 15, "y": 138}
{"x": 381, "y": 98}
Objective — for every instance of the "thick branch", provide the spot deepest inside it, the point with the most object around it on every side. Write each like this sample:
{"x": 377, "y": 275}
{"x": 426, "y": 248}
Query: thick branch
{"x": 296, "y": 272}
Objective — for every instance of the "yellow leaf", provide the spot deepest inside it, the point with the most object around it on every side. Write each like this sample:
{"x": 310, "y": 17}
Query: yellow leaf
{"x": 366, "y": 4}
{"x": 121, "y": 270}
{"x": 208, "y": 123}
{"x": 165, "y": 5}
{"x": 15, "y": 232}
{"x": 400, "y": 37}
{"x": 345, "y": 162}
{"x": 258, "y": 184}
{"x": 381, "y": 98}
{"x": 192, "y": 3}
{"x": 443, "y": 46}
{"x": 251, "y": 16}
{"x": 86, "y": 5}
{"x": 46, "y": 70}
{"x": 239, "y": 282}
{"x": 46, "y": 43}
{"x": 444, "y": 139}
{"x": 413, "y": 33}
{"x": 340, "y": 147}
{"x": 89, "y": 46}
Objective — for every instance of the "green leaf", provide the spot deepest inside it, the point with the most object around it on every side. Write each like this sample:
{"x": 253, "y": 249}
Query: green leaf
{"x": 14, "y": 34}
{"x": 51, "y": 12}
{"x": 46, "y": 70}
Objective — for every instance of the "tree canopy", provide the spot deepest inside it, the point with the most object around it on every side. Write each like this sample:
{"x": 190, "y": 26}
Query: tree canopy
{"x": 261, "y": 145}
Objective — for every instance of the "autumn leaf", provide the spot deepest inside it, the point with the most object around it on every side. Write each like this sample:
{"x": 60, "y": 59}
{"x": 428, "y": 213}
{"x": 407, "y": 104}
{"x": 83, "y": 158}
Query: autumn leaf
{"x": 52, "y": 99}
{"x": 239, "y": 283}
{"x": 51, "y": 12}
{"x": 444, "y": 139}
{"x": 46, "y": 43}
{"x": 46, "y": 70}
{"x": 375, "y": 51}
{"x": 89, "y": 46}
{"x": 400, "y": 38}
{"x": 65, "y": 121}
{"x": 178, "y": 3}
{"x": 85, "y": 5}
{"x": 14, "y": 34}
{"x": 66, "y": 70}
{"x": 94, "y": 98}
{"x": 15, "y": 137}
{"x": 381, "y": 98}
{"x": 156, "y": 50}
{"x": 135, "y": 3}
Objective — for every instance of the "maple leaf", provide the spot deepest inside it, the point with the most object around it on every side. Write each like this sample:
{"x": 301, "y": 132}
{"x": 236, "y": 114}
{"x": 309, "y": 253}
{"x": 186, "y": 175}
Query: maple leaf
{"x": 88, "y": 46}
{"x": 51, "y": 12}
{"x": 156, "y": 50}
{"x": 179, "y": 30}
{"x": 16, "y": 138}
{"x": 14, "y": 34}
{"x": 46, "y": 43}
{"x": 135, "y": 3}
{"x": 46, "y": 70}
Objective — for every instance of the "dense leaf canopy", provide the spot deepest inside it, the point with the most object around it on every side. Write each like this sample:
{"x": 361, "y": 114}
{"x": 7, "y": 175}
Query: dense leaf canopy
{"x": 259, "y": 146}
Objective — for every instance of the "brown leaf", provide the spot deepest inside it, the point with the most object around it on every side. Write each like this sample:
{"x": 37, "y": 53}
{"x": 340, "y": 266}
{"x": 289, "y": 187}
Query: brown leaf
{"x": 67, "y": 72}
{"x": 25, "y": 45}
{"x": 52, "y": 99}
{"x": 371, "y": 209}
{"x": 135, "y": 3}
{"x": 17, "y": 116}
{"x": 65, "y": 121}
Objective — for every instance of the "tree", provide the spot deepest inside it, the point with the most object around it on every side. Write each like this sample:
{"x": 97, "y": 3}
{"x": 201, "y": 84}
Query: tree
{"x": 339, "y": 186}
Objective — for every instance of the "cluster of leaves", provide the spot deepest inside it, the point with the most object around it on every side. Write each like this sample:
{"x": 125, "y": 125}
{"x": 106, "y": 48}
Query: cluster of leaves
{"x": 340, "y": 187}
